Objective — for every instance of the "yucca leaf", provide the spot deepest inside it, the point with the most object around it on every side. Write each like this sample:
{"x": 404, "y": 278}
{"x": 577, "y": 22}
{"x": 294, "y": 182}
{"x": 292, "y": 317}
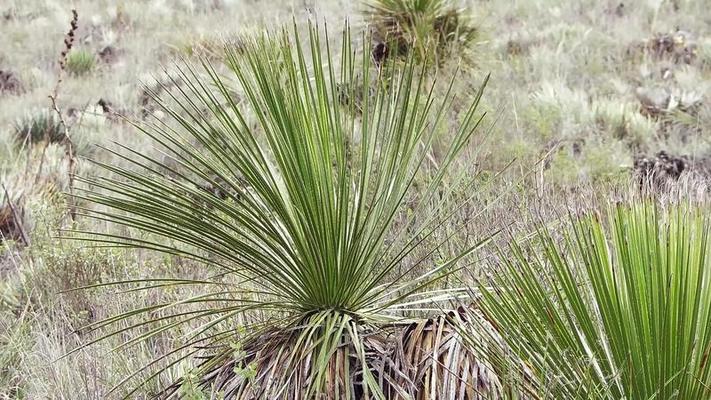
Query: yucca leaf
{"x": 617, "y": 308}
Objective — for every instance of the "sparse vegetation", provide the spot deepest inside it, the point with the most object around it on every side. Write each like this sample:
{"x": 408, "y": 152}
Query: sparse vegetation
{"x": 591, "y": 106}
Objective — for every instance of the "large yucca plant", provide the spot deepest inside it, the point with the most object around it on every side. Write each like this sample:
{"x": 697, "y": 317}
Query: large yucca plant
{"x": 293, "y": 196}
{"x": 613, "y": 309}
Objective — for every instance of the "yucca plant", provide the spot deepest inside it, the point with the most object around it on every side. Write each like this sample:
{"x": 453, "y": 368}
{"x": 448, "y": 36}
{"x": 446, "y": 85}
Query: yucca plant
{"x": 80, "y": 62}
{"x": 43, "y": 125}
{"x": 431, "y": 29}
{"x": 615, "y": 308}
{"x": 298, "y": 218}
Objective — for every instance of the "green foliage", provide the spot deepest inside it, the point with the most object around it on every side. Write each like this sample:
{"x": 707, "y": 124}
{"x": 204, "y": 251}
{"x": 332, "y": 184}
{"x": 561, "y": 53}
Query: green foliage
{"x": 80, "y": 62}
{"x": 189, "y": 388}
{"x": 543, "y": 120}
{"x": 38, "y": 127}
{"x": 431, "y": 29}
{"x": 612, "y": 310}
{"x": 299, "y": 209}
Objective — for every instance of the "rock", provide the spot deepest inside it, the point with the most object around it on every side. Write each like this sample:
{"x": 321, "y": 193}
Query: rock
{"x": 690, "y": 101}
{"x": 654, "y": 101}
{"x": 666, "y": 73}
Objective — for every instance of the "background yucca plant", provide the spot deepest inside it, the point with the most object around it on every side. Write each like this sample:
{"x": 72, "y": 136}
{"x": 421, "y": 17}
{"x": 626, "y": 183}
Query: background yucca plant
{"x": 80, "y": 62}
{"x": 431, "y": 29}
{"x": 303, "y": 193}
{"x": 43, "y": 125}
{"x": 615, "y": 309}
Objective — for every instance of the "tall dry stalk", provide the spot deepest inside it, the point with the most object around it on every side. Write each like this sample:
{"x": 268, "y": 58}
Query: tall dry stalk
{"x": 66, "y": 141}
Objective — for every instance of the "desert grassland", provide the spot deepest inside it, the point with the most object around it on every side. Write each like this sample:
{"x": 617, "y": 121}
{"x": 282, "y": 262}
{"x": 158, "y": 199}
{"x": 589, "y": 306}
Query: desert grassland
{"x": 572, "y": 102}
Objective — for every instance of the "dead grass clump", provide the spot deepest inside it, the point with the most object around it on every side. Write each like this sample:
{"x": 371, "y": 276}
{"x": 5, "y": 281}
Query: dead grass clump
{"x": 9, "y": 83}
{"x": 120, "y": 20}
{"x": 11, "y": 222}
{"x": 433, "y": 358}
{"x": 679, "y": 46}
{"x": 660, "y": 168}
{"x": 517, "y": 48}
{"x": 210, "y": 47}
{"x": 447, "y": 356}
{"x": 658, "y": 172}
{"x": 109, "y": 54}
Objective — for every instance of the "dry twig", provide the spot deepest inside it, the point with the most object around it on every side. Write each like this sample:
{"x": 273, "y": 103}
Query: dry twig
{"x": 67, "y": 142}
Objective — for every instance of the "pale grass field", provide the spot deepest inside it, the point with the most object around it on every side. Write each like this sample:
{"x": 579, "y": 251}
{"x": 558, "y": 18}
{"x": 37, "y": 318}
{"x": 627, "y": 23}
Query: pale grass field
{"x": 564, "y": 103}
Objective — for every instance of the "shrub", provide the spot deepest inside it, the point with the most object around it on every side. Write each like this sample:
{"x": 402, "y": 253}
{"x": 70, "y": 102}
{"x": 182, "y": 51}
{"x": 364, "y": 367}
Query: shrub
{"x": 306, "y": 201}
{"x": 616, "y": 309}
{"x": 431, "y": 29}
{"x": 80, "y": 62}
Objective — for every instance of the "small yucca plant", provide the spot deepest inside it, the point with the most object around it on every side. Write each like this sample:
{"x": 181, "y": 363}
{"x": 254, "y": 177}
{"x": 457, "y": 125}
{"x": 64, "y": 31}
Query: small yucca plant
{"x": 37, "y": 127}
{"x": 303, "y": 193}
{"x": 80, "y": 62}
{"x": 615, "y": 309}
{"x": 430, "y": 29}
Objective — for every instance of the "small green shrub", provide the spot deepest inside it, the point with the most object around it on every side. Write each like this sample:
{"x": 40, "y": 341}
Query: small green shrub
{"x": 431, "y": 29}
{"x": 38, "y": 127}
{"x": 80, "y": 62}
